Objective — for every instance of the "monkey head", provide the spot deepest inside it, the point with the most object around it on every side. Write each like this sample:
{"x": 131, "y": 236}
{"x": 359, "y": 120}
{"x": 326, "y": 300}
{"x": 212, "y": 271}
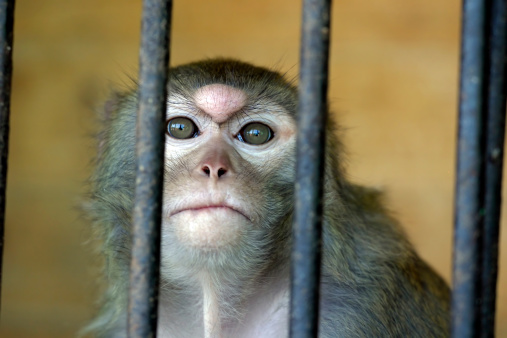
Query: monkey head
{"x": 230, "y": 144}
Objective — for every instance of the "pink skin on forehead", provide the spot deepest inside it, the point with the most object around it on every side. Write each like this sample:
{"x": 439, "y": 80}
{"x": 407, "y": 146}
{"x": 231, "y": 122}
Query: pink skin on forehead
{"x": 219, "y": 101}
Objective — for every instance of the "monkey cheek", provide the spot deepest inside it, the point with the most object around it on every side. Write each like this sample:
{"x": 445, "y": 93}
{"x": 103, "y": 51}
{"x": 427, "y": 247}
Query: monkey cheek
{"x": 209, "y": 229}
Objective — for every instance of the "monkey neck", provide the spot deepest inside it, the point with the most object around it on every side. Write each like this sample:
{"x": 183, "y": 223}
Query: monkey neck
{"x": 225, "y": 306}
{"x": 215, "y": 302}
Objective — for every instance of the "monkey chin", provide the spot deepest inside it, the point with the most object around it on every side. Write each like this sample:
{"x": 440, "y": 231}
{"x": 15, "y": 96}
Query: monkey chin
{"x": 210, "y": 228}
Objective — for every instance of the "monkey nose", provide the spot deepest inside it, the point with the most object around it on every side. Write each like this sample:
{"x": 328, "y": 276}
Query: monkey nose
{"x": 216, "y": 172}
{"x": 215, "y": 163}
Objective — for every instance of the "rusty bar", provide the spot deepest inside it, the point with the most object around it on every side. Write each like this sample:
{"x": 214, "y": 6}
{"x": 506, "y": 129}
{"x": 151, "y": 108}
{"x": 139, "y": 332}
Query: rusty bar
{"x": 145, "y": 264}
{"x": 6, "y": 39}
{"x": 495, "y": 135}
{"x": 306, "y": 254}
{"x": 469, "y": 199}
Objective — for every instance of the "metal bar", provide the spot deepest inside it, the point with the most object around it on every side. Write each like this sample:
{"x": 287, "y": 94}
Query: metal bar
{"x": 469, "y": 200}
{"x": 306, "y": 254}
{"x": 495, "y": 126}
{"x": 6, "y": 39}
{"x": 145, "y": 264}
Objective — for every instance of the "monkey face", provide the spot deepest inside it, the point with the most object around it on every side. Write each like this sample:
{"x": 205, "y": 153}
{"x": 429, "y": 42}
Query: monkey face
{"x": 225, "y": 155}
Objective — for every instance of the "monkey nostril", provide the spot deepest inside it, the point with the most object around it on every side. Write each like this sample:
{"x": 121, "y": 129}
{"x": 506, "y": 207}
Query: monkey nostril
{"x": 221, "y": 172}
{"x": 206, "y": 170}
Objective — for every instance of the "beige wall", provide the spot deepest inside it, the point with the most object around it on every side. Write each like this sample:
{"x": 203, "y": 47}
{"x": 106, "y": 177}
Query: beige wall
{"x": 393, "y": 86}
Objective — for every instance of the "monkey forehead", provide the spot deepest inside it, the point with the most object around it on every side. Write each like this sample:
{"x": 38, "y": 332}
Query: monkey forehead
{"x": 219, "y": 101}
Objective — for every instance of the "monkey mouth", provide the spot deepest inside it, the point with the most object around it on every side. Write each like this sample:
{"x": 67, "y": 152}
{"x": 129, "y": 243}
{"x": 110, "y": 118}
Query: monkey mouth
{"x": 210, "y": 207}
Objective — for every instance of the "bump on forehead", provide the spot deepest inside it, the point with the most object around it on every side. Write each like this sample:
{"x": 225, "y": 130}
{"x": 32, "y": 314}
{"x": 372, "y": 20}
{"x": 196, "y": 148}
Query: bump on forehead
{"x": 220, "y": 101}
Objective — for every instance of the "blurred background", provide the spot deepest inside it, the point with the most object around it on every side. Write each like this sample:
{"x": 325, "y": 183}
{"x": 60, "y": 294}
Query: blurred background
{"x": 393, "y": 86}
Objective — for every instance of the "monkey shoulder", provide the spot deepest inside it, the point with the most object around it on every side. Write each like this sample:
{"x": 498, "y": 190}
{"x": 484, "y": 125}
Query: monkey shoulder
{"x": 374, "y": 284}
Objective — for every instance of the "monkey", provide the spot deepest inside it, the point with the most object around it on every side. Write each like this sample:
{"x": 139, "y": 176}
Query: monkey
{"x": 229, "y": 174}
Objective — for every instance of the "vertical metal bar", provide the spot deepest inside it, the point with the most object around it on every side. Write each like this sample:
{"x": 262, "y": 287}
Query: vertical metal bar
{"x": 469, "y": 200}
{"x": 306, "y": 254}
{"x": 6, "y": 39}
{"x": 495, "y": 135}
{"x": 145, "y": 264}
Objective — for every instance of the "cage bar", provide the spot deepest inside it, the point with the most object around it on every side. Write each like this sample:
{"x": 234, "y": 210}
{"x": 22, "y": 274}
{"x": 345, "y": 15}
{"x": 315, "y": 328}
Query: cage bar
{"x": 6, "y": 39}
{"x": 306, "y": 254}
{"x": 470, "y": 174}
{"x": 480, "y": 164}
{"x": 495, "y": 135}
{"x": 153, "y": 74}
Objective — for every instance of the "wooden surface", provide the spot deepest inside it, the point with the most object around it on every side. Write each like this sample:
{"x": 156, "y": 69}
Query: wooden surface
{"x": 394, "y": 76}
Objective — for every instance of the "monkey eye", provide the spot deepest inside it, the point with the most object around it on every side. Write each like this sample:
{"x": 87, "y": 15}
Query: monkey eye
{"x": 255, "y": 133}
{"x": 181, "y": 128}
